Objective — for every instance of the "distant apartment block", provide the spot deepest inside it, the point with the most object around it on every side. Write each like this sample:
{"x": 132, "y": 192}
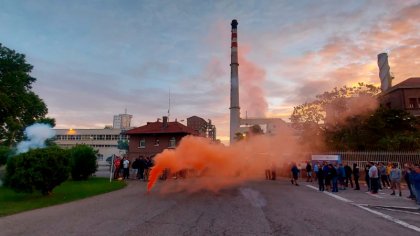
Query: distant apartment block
{"x": 122, "y": 121}
{"x": 103, "y": 140}
{"x": 202, "y": 127}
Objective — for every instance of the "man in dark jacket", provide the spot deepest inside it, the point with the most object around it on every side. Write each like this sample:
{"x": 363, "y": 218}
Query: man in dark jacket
{"x": 356, "y": 173}
{"x": 141, "y": 167}
{"x": 349, "y": 173}
{"x": 308, "y": 172}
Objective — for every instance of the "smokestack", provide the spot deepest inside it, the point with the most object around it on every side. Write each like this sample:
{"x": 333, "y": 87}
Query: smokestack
{"x": 384, "y": 72}
{"x": 165, "y": 122}
{"x": 234, "y": 83}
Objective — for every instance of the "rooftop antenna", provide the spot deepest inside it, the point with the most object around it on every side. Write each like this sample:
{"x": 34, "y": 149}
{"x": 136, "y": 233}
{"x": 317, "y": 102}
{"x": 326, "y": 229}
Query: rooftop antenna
{"x": 125, "y": 110}
{"x": 169, "y": 107}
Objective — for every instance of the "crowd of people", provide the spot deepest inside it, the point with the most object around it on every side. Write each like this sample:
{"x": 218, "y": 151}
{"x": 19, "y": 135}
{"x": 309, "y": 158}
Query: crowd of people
{"x": 140, "y": 168}
{"x": 336, "y": 176}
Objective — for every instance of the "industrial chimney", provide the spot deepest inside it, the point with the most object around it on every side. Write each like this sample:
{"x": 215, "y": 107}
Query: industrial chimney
{"x": 384, "y": 72}
{"x": 234, "y": 83}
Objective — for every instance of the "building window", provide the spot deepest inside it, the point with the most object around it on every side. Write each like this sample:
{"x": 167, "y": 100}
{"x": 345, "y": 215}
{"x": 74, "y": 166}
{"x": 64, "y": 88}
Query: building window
{"x": 142, "y": 143}
{"x": 172, "y": 142}
{"x": 413, "y": 103}
{"x": 156, "y": 142}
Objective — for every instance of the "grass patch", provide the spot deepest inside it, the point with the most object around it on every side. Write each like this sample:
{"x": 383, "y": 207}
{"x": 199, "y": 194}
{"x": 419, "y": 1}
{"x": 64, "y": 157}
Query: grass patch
{"x": 12, "y": 202}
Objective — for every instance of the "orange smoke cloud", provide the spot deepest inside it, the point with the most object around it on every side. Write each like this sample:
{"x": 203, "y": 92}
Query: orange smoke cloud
{"x": 214, "y": 167}
{"x": 252, "y": 78}
{"x": 338, "y": 114}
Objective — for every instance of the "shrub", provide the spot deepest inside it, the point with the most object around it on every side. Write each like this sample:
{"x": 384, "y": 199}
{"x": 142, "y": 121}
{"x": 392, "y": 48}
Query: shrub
{"x": 38, "y": 169}
{"x": 83, "y": 162}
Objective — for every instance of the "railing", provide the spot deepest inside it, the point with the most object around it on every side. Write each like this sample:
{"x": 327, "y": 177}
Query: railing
{"x": 362, "y": 158}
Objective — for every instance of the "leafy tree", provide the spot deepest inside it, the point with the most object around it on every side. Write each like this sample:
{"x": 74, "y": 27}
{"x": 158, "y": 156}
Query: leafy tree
{"x": 5, "y": 152}
{"x": 83, "y": 162}
{"x": 314, "y": 112}
{"x": 123, "y": 144}
{"x": 19, "y": 106}
{"x": 385, "y": 129}
{"x": 239, "y": 136}
{"x": 310, "y": 119}
{"x": 38, "y": 169}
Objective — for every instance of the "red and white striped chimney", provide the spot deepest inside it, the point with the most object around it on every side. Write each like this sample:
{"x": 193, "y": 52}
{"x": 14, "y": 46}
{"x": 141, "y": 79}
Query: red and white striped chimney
{"x": 234, "y": 83}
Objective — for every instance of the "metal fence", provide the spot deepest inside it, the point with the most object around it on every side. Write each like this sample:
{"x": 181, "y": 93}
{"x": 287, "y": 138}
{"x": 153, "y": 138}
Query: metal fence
{"x": 362, "y": 158}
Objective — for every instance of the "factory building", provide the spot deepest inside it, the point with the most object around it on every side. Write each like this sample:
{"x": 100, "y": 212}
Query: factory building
{"x": 202, "y": 127}
{"x": 403, "y": 96}
{"x": 105, "y": 141}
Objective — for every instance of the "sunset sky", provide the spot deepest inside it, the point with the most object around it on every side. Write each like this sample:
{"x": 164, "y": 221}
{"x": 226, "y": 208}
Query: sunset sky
{"x": 93, "y": 59}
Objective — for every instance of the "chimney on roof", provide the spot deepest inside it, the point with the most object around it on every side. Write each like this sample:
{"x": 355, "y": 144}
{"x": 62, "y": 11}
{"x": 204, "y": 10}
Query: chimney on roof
{"x": 165, "y": 121}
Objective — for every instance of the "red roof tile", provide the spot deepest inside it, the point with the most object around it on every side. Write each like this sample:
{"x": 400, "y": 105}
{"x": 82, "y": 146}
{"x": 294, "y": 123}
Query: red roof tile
{"x": 157, "y": 128}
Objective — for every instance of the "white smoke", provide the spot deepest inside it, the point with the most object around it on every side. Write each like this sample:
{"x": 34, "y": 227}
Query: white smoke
{"x": 36, "y": 135}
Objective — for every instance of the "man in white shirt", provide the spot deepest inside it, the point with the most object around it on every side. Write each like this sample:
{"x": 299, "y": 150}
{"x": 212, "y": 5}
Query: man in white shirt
{"x": 374, "y": 178}
{"x": 126, "y": 164}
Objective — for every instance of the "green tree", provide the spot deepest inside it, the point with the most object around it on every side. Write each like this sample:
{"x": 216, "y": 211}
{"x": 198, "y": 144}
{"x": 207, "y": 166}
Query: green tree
{"x": 314, "y": 113}
{"x": 19, "y": 106}
{"x": 309, "y": 119}
{"x": 239, "y": 136}
{"x": 385, "y": 129}
{"x": 83, "y": 162}
{"x": 122, "y": 144}
{"x": 5, "y": 152}
{"x": 38, "y": 170}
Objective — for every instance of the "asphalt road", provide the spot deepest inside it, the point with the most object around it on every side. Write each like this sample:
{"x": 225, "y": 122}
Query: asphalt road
{"x": 257, "y": 208}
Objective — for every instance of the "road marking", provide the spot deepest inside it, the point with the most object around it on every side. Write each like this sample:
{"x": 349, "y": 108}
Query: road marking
{"x": 407, "y": 212}
{"x": 390, "y": 218}
{"x": 374, "y": 195}
{"x": 402, "y": 207}
{"x": 330, "y": 194}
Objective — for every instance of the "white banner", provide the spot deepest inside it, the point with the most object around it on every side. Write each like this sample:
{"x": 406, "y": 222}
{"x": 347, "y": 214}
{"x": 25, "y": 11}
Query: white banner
{"x": 326, "y": 157}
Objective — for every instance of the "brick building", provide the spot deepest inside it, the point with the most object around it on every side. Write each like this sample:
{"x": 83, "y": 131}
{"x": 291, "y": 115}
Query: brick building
{"x": 154, "y": 137}
{"x": 403, "y": 96}
{"x": 202, "y": 127}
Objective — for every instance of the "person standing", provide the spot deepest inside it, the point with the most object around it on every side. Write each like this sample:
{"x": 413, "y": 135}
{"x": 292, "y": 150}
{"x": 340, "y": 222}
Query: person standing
{"x": 349, "y": 173}
{"x": 395, "y": 177}
{"x": 117, "y": 165}
{"x": 415, "y": 180}
{"x": 367, "y": 178}
{"x": 341, "y": 173}
{"x": 320, "y": 177}
{"x": 356, "y": 174}
{"x": 373, "y": 175}
{"x": 308, "y": 172}
{"x": 148, "y": 166}
{"x": 317, "y": 166}
{"x": 273, "y": 171}
{"x": 126, "y": 165}
{"x": 327, "y": 176}
{"x": 407, "y": 171}
{"x": 295, "y": 173}
{"x": 334, "y": 177}
{"x": 384, "y": 175}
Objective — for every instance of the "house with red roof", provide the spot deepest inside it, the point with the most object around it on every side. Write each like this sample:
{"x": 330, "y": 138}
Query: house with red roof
{"x": 154, "y": 137}
{"x": 403, "y": 96}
